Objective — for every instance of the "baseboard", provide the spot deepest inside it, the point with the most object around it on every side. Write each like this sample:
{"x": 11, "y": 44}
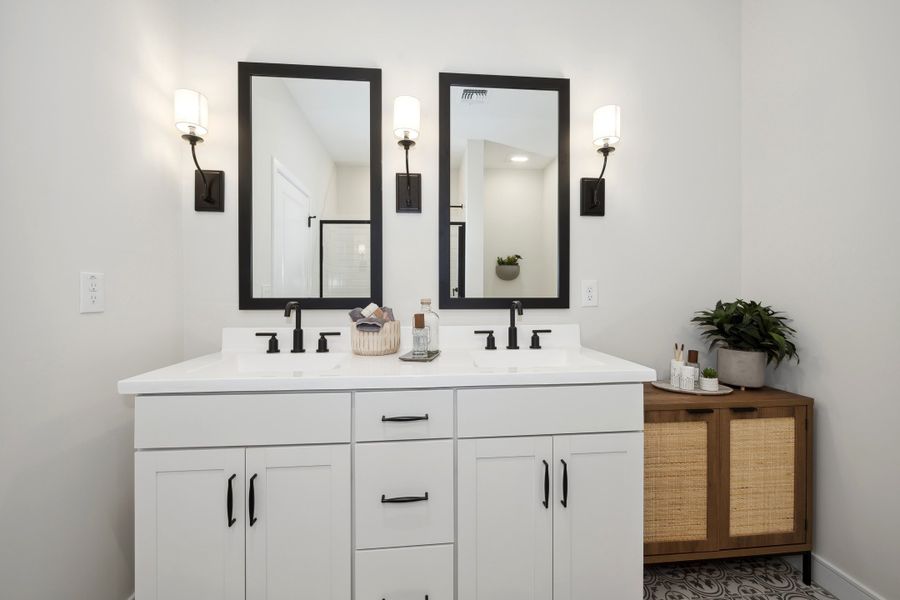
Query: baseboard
{"x": 834, "y": 580}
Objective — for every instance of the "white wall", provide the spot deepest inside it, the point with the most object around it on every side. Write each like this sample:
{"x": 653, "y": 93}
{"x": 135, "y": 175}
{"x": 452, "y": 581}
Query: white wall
{"x": 89, "y": 180}
{"x": 513, "y": 224}
{"x": 673, "y": 66}
{"x": 353, "y": 193}
{"x": 821, "y": 89}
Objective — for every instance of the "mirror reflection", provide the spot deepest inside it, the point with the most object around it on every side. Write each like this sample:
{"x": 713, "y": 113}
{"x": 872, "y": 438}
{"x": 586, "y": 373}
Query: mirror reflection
{"x": 311, "y": 188}
{"x": 504, "y": 193}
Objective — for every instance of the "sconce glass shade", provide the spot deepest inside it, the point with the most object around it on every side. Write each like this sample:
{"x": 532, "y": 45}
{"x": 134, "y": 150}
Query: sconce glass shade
{"x": 191, "y": 112}
{"x": 406, "y": 117}
{"x": 606, "y": 125}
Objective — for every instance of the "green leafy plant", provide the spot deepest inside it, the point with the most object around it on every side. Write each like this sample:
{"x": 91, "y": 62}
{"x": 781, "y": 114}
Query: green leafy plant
{"x": 509, "y": 260}
{"x": 710, "y": 373}
{"x": 748, "y": 326}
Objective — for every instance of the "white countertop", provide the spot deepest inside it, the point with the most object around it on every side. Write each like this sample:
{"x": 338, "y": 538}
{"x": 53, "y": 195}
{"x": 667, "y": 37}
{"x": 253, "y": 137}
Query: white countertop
{"x": 241, "y": 365}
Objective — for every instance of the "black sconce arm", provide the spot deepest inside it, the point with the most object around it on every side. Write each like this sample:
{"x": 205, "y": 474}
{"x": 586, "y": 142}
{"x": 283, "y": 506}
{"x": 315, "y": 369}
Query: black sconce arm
{"x": 605, "y": 151}
{"x": 407, "y": 144}
{"x": 193, "y": 139}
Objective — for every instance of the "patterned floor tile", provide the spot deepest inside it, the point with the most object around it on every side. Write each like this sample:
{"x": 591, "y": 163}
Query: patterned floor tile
{"x": 739, "y": 579}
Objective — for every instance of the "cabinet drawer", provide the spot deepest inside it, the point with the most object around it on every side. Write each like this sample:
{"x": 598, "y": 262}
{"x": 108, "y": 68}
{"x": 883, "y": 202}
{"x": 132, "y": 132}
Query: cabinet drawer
{"x": 404, "y": 415}
{"x": 550, "y": 410}
{"x": 392, "y": 482}
{"x": 405, "y": 573}
{"x": 241, "y": 420}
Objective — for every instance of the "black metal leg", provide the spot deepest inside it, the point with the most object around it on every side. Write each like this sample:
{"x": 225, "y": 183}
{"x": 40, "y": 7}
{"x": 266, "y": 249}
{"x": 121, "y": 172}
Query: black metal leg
{"x": 807, "y": 568}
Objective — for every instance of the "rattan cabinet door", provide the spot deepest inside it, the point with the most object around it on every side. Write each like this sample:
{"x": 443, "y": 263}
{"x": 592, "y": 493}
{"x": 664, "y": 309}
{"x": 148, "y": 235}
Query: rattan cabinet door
{"x": 764, "y": 474}
{"x": 681, "y": 465}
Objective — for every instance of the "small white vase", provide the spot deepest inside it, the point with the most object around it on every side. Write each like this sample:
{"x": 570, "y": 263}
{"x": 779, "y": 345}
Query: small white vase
{"x": 709, "y": 384}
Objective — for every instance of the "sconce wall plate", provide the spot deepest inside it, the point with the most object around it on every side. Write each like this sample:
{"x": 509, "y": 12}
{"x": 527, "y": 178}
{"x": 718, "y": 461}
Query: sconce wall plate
{"x": 216, "y": 199}
{"x": 409, "y": 197}
{"x": 593, "y": 199}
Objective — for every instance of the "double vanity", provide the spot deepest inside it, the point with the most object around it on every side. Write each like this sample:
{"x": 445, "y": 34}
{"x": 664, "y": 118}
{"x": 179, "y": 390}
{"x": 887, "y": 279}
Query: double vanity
{"x": 264, "y": 472}
{"x": 488, "y": 474}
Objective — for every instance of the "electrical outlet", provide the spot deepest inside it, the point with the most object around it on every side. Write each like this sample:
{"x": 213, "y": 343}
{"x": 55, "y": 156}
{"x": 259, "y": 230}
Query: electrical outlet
{"x": 93, "y": 294}
{"x": 589, "y": 292}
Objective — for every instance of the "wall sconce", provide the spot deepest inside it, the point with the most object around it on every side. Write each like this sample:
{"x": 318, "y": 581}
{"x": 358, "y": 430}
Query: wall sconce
{"x": 606, "y": 136}
{"x": 192, "y": 120}
{"x": 406, "y": 129}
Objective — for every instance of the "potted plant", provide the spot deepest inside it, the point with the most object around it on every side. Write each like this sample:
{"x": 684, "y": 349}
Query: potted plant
{"x": 749, "y": 335}
{"x": 508, "y": 268}
{"x": 709, "y": 380}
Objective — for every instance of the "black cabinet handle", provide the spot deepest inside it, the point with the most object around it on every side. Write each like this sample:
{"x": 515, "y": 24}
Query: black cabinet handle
{"x": 403, "y": 499}
{"x": 252, "y": 500}
{"x": 229, "y": 502}
{"x": 404, "y": 418}
{"x": 743, "y": 409}
{"x": 699, "y": 411}
{"x": 565, "y": 498}
{"x": 546, "y": 502}
{"x": 426, "y": 597}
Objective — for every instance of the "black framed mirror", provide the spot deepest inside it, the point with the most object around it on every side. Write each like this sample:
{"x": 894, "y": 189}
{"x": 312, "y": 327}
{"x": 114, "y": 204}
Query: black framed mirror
{"x": 309, "y": 191}
{"x": 504, "y": 191}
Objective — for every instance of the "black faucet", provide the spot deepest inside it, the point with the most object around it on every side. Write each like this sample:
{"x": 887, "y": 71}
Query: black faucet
{"x": 513, "y": 337}
{"x": 298, "y": 329}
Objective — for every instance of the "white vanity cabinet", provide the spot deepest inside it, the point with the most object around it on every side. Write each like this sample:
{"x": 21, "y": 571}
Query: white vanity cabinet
{"x": 525, "y": 492}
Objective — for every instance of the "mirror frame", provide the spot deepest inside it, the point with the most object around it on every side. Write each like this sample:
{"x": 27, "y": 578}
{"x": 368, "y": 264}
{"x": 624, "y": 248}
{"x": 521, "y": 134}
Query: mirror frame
{"x": 559, "y": 85}
{"x": 246, "y": 72}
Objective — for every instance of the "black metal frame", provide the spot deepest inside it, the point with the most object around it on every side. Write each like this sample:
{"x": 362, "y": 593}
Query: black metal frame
{"x": 322, "y": 224}
{"x": 246, "y": 72}
{"x": 461, "y": 258}
{"x": 559, "y": 85}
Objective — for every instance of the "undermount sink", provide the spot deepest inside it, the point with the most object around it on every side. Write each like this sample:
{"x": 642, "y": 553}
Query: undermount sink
{"x": 523, "y": 358}
{"x": 286, "y": 362}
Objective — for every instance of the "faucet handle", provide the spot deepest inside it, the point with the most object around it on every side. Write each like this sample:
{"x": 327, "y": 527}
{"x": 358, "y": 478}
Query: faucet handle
{"x": 536, "y": 338}
{"x": 273, "y": 342}
{"x": 491, "y": 341}
{"x": 323, "y": 341}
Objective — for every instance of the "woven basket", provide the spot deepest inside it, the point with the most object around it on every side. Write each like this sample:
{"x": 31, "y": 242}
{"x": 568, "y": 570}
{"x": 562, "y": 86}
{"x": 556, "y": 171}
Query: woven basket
{"x": 376, "y": 343}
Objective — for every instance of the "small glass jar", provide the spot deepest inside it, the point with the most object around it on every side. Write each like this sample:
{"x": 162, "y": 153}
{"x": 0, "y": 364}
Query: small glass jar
{"x": 432, "y": 323}
{"x": 421, "y": 337}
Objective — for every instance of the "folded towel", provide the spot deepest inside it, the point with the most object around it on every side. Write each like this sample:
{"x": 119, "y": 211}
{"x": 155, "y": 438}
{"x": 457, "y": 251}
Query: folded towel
{"x": 374, "y": 321}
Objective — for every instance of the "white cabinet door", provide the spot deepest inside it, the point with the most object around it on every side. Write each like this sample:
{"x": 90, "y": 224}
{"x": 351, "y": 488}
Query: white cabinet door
{"x": 504, "y": 528}
{"x": 598, "y": 517}
{"x": 188, "y": 545}
{"x": 298, "y": 534}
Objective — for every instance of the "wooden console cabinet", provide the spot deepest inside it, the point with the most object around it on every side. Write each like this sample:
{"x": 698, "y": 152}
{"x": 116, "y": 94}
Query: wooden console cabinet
{"x": 727, "y": 476}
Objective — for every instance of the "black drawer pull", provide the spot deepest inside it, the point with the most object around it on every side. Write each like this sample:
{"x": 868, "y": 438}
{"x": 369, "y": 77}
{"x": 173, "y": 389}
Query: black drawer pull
{"x": 426, "y": 597}
{"x": 743, "y": 409}
{"x": 699, "y": 411}
{"x": 403, "y": 499}
{"x": 404, "y": 419}
{"x": 565, "y": 498}
{"x": 546, "y": 485}
{"x": 229, "y": 502}
{"x": 252, "y": 501}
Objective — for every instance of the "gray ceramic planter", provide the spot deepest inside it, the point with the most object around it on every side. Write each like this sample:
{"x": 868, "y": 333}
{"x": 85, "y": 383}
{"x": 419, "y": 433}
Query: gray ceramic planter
{"x": 741, "y": 368}
{"x": 507, "y": 272}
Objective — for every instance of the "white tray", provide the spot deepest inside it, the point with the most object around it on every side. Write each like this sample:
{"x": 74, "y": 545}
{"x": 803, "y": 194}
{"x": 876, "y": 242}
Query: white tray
{"x": 665, "y": 385}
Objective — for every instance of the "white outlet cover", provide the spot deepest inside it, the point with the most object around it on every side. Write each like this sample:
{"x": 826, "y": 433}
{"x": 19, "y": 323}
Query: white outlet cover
{"x": 93, "y": 293}
{"x": 589, "y": 293}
